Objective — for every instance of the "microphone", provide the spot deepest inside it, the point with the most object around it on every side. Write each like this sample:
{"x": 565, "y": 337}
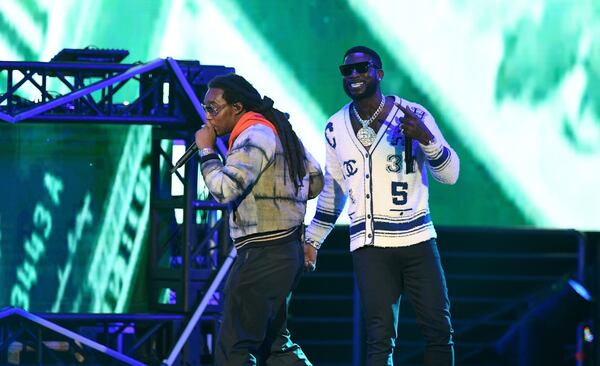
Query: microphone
{"x": 186, "y": 156}
{"x": 408, "y": 157}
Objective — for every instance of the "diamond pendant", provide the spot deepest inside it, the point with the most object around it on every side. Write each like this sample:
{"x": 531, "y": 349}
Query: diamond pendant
{"x": 366, "y": 135}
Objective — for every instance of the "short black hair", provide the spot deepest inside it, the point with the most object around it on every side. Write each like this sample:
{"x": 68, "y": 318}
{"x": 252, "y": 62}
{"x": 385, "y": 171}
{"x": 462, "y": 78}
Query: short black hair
{"x": 368, "y": 51}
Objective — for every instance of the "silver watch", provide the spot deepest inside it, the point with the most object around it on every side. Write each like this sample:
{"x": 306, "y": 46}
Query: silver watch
{"x": 313, "y": 243}
{"x": 206, "y": 151}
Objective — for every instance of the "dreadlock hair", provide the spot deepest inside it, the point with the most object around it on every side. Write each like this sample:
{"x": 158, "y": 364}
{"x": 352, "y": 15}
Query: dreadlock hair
{"x": 366, "y": 50}
{"x": 237, "y": 89}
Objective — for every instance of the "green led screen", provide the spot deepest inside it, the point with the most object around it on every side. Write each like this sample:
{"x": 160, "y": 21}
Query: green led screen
{"x": 512, "y": 84}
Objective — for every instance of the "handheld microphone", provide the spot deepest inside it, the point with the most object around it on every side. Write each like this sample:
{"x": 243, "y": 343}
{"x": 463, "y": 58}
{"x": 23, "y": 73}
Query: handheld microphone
{"x": 408, "y": 157}
{"x": 185, "y": 157}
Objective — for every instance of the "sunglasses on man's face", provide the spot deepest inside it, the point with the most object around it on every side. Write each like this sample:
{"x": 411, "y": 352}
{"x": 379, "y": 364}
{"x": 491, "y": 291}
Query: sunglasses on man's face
{"x": 360, "y": 67}
{"x": 212, "y": 109}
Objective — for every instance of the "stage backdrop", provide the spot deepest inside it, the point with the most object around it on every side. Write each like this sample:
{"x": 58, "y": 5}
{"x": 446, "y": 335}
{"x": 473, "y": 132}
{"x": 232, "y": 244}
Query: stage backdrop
{"x": 513, "y": 85}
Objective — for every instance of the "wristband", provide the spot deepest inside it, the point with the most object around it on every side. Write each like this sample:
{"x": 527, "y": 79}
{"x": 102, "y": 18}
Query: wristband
{"x": 206, "y": 151}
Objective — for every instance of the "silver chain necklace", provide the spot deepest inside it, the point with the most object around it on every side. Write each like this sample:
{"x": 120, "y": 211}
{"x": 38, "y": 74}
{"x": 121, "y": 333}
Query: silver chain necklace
{"x": 366, "y": 135}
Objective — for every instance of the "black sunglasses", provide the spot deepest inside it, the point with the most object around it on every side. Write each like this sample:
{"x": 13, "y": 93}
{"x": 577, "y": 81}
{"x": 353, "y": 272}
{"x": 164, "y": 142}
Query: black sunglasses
{"x": 360, "y": 67}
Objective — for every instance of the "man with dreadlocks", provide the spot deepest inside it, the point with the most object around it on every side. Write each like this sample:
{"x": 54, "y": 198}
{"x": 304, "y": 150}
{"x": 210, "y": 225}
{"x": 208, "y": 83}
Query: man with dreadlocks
{"x": 267, "y": 179}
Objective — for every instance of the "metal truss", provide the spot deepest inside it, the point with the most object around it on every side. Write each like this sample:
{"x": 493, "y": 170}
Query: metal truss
{"x": 160, "y": 92}
{"x": 48, "y": 342}
{"x": 127, "y": 339}
{"x": 183, "y": 257}
{"x": 189, "y": 260}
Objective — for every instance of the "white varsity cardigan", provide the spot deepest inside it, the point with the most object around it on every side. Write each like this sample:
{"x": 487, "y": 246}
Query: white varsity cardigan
{"x": 388, "y": 207}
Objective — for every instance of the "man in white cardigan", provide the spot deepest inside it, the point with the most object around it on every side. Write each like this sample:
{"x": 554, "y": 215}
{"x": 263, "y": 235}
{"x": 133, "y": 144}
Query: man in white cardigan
{"x": 379, "y": 149}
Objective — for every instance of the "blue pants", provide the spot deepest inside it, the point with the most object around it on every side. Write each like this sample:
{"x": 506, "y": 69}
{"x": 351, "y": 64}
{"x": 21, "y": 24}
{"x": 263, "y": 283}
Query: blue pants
{"x": 383, "y": 274}
{"x": 257, "y": 294}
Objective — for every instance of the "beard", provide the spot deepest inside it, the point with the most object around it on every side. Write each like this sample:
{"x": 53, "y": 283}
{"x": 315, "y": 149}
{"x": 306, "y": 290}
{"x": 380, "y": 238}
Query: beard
{"x": 370, "y": 90}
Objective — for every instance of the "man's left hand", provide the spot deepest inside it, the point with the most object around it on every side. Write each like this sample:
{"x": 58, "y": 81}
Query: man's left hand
{"x": 310, "y": 257}
{"x": 412, "y": 126}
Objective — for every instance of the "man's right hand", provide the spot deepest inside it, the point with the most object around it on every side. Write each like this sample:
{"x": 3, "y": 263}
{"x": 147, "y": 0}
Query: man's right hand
{"x": 310, "y": 257}
{"x": 205, "y": 137}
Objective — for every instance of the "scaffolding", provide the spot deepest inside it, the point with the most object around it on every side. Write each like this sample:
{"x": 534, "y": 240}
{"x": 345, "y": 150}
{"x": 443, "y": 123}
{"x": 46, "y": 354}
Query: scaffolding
{"x": 187, "y": 260}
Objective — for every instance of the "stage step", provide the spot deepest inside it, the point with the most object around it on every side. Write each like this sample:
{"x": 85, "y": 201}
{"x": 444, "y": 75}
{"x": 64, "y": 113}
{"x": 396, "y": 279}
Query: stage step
{"x": 494, "y": 276}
